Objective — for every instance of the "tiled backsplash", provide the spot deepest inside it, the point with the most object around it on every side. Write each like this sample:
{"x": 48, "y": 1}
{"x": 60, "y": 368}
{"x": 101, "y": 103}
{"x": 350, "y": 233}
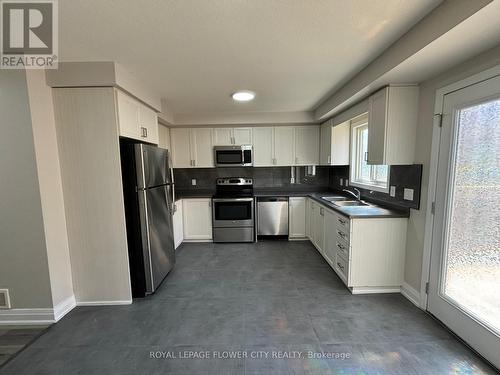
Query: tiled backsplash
{"x": 264, "y": 177}
{"x": 400, "y": 176}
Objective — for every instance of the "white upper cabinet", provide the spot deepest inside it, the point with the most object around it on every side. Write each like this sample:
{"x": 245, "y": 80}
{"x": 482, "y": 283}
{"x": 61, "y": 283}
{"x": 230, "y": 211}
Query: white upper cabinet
{"x": 306, "y": 145}
{"x": 242, "y": 136}
{"x": 263, "y": 153}
{"x": 180, "y": 142}
{"x": 392, "y": 121}
{"x": 334, "y": 143}
{"x": 341, "y": 134}
{"x": 284, "y": 146}
{"x": 326, "y": 143}
{"x": 223, "y": 136}
{"x": 136, "y": 120}
{"x": 192, "y": 147}
{"x": 164, "y": 137}
{"x": 202, "y": 147}
{"x": 232, "y": 136}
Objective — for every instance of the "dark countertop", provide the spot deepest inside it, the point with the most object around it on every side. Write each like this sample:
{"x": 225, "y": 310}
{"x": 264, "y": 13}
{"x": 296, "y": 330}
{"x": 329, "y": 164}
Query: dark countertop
{"x": 358, "y": 212}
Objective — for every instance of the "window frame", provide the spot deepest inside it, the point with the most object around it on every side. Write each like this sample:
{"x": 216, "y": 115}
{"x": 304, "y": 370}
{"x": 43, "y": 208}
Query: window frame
{"x": 358, "y": 124}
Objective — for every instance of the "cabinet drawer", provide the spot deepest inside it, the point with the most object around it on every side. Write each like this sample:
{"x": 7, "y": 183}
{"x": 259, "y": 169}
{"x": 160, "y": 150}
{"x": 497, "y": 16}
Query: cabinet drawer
{"x": 342, "y": 234}
{"x": 343, "y": 223}
{"x": 342, "y": 267}
{"x": 342, "y": 249}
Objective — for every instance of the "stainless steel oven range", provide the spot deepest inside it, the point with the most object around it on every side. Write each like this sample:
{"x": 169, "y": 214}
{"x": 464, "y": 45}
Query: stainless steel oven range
{"x": 233, "y": 210}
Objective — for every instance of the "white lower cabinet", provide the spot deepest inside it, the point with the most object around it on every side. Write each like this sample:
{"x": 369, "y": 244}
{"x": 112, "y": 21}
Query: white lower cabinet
{"x": 297, "y": 217}
{"x": 316, "y": 222}
{"x": 366, "y": 253}
{"x": 197, "y": 219}
{"x": 178, "y": 224}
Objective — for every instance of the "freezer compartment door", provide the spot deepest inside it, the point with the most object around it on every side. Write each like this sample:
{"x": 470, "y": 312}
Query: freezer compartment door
{"x": 152, "y": 166}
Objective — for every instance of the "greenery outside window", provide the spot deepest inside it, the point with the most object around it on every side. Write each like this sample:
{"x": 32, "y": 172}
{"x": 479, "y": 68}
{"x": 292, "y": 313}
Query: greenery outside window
{"x": 363, "y": 175}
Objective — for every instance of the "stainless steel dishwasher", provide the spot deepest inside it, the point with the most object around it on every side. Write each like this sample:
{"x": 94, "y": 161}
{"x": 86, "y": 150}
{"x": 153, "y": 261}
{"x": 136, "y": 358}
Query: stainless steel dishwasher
{"x": 272, "y": 216}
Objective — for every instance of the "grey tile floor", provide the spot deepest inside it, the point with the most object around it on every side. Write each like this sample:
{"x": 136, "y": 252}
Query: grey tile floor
{"x": 13, "y": 339}
{"x": 268, "y": 298}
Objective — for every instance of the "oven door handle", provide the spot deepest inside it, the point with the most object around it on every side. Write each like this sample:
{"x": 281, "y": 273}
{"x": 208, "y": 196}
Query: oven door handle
{"x": 232, "y": 199}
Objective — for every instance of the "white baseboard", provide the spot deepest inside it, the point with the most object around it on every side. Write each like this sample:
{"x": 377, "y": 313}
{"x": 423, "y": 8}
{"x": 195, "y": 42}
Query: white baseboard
{"x": 64, "y": 307}
{"x": 201, "y": 240}
{"x": 298, "y": 239}
{"x": 103, "y": 303}
{"x": 35, "y": 316}
{"x": 178, "y": 243}
{"x": 411, "y": 294}
{"x": 376, "y": 289}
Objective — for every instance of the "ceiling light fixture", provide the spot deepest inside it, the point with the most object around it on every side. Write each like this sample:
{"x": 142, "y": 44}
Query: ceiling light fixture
{"x": 243, "y": 96}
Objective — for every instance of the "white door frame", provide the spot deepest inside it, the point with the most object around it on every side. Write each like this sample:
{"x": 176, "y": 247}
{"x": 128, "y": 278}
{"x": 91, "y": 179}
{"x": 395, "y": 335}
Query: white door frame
{"x": 433, "y": 167}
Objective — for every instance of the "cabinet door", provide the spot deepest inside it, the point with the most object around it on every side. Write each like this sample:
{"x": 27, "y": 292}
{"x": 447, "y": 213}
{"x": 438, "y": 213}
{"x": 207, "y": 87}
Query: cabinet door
{"x": 297, "y": 217}
{"x": 148, "y": 124}
{"x": 242, "y": 136}
{"x": 307, "y": 145}
{"x": 340, "y": 138}
{"x": 178, "y": 224}
{"x": 181, "y": 148}
{"x": 330, "y": 249}
{"x": 163, "y": 137}
{"x": 202, "y": 146}
{"x": 263, "y": 154}
{"x": 223, "y": 136}
{"x": 284, "y": 145}
{"x": 377, "y": 118}
{"x": 128, "y": 115}
{"x": 319, "y": 226}
{"x": 326, "y": 143}
{"x": 197, "y": 219}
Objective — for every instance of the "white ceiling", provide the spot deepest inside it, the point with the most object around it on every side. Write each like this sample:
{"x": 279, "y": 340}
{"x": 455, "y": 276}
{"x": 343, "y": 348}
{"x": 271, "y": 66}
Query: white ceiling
{"x": 195, "y": 53}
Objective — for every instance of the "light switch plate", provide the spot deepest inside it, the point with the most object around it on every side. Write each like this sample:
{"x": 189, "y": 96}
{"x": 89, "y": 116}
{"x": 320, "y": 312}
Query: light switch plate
{"x": 341, "y": 182}
{"x": 408, "y": 194}
{"x": 392, "y": 191}
{"x": 193, "y": 181}
{"x": 346, "y": 182}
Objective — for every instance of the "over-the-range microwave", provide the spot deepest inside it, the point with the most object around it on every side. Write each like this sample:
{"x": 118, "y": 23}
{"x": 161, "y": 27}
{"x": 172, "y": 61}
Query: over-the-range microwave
{"x": 233, "y": 156}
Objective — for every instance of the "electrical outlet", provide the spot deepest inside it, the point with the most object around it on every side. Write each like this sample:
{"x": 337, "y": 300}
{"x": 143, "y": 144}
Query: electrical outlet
{"x": 341, "y": 182}
{"x": 292, "y": 180}
{"x": 408, "y": 194}
{"x": 392, "y": 192}
{"x": 346, "y": 182}
{"x": 193, "y": 181}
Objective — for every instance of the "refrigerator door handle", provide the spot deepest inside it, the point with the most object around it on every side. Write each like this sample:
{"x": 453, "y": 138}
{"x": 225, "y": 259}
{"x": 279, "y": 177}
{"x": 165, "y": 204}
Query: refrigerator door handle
{"x": 171, "y": 170}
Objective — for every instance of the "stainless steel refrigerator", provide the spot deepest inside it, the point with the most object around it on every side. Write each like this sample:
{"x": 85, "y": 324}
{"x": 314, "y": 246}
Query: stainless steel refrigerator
{"x": 148, "y": 187}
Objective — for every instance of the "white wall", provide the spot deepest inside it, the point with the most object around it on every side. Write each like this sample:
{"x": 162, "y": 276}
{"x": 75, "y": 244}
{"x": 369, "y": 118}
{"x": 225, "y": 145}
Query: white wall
{"x": 23, "y": 254}
{"x": 51, "y": 193}
{"x": 416, "y": 225}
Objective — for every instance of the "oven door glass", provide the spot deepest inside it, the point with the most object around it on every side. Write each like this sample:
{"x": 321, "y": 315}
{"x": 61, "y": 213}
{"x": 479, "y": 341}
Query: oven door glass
{"x": 229, "y": 157}
{"x": 233, "y": 213}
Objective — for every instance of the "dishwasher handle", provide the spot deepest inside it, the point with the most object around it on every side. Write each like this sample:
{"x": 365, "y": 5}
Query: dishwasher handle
{"x": 273, "y": 199}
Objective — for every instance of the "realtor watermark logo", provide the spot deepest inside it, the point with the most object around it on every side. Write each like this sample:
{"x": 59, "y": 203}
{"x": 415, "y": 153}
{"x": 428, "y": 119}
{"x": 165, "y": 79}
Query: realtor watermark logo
{"x": 29, "y": 34}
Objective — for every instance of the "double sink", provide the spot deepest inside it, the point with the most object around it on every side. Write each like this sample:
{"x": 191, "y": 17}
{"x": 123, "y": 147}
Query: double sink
{"x": 341, "y": 201}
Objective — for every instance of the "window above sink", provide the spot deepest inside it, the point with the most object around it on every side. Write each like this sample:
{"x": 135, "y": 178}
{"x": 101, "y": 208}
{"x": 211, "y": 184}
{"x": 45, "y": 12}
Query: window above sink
{"x": 363, "y": 175}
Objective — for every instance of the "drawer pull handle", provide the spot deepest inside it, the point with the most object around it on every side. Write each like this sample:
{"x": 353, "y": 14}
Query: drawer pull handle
{"x": 342, "y": 221}
{"x": 340, "y": 266}
{"x": 340, "y": 247}
{"x": 341, "y": 234}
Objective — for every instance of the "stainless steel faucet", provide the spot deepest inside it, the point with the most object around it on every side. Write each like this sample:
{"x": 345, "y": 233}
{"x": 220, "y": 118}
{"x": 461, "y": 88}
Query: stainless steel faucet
{"x": 356, "y": 195}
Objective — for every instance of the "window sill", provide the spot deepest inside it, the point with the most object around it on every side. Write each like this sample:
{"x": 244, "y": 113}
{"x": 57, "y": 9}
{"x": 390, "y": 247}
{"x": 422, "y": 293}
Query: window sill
{"x": 381, "y": 189}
